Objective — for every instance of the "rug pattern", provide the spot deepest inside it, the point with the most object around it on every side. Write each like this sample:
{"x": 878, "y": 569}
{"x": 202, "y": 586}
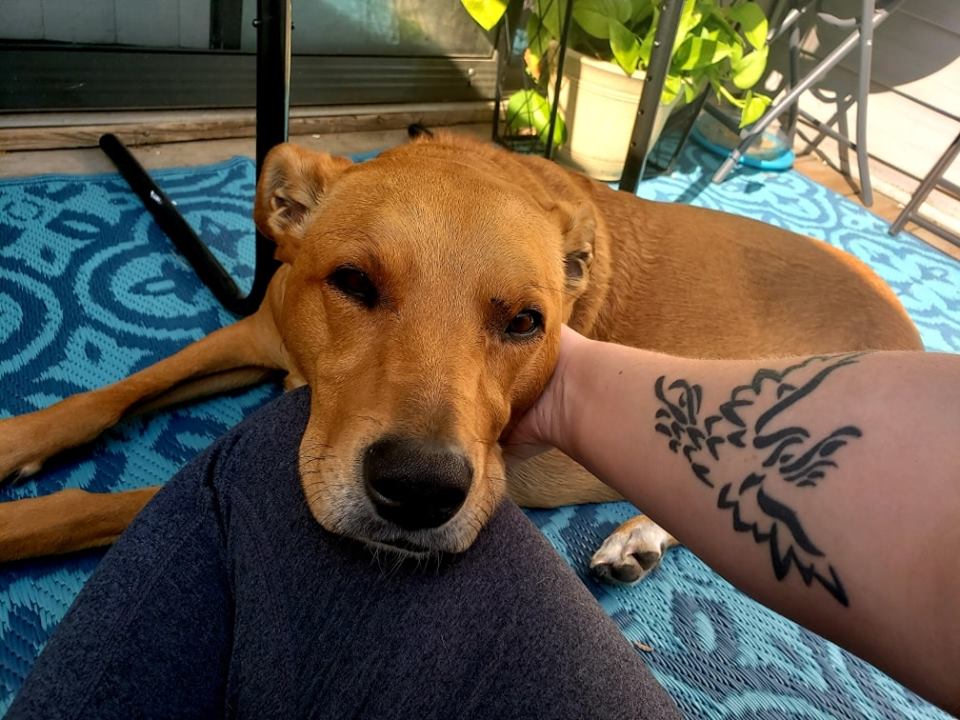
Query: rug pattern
{"x": 90, "y": 290}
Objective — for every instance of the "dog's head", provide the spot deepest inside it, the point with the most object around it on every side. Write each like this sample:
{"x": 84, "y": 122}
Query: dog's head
{"x": 422, "y": 304}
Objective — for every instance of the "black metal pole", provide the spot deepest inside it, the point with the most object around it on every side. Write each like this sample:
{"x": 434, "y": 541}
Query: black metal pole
{"x": 660, "y": 57}
{"x": 274, "y": 28}
{"x": 166, "y": 215}
{"x": 498, "y": 88}
{"x": 273, "y": 110}
{"x": 561, "y": 56}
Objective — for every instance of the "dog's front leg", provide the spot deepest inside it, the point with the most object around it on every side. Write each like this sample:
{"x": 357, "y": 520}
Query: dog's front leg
{"x": 234, "y": 356}
{"x": 67, "y": 521}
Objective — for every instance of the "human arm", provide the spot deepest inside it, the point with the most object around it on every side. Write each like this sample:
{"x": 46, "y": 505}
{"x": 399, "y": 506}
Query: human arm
{"x": 838, "y": 475}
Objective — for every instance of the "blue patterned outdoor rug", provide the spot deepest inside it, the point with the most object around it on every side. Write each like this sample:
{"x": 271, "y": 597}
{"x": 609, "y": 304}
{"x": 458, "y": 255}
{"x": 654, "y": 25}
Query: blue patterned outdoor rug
{"x": 90, "y": 291}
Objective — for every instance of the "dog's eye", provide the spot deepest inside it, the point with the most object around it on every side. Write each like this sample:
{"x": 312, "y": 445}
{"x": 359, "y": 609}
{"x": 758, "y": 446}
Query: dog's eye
{"x": 525, "y": 324}
{"x": 355, "y": 284}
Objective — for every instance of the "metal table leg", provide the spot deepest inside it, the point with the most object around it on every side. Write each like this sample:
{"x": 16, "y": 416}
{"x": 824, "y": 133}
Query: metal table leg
{"x": 932, "y": 179}
{"x": 670, "y": 11}
{"x": 273, "y": 111}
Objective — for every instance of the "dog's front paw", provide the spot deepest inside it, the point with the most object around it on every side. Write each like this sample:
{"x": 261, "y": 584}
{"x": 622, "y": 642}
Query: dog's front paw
{"x": 631, "y": 552}
{"x": 18, "y": 456}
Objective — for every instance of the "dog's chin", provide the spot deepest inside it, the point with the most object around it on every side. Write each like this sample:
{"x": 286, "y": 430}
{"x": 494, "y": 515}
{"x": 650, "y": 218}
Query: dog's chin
{"x": 400, "y": 546}
{"x": 449, "y": 539}
{"x": 350, "y": 514}
{"x": 381, "y": 535}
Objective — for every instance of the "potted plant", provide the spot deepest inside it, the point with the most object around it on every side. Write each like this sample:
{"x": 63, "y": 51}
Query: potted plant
{"x": 720, "y": 46}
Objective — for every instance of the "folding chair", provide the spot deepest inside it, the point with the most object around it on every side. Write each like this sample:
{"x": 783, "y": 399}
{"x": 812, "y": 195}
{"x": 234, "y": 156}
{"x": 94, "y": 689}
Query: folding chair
{"x": 787, "y": 15}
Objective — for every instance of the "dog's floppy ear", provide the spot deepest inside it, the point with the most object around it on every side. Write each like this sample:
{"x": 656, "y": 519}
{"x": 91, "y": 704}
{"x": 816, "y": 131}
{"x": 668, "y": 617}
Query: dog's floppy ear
{"x": 579, "y": 234}
{"x": 292, "y": 182}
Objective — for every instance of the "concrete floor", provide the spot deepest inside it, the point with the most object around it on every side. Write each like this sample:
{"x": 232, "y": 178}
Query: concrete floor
{"x": 92, "y": 160}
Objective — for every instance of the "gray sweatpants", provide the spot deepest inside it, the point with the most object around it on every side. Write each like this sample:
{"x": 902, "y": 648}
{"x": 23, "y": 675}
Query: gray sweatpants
{"x": 226, "y": 599}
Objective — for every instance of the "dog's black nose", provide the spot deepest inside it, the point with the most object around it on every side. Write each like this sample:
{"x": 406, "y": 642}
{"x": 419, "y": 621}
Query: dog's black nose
{"x": 414, "y": 484}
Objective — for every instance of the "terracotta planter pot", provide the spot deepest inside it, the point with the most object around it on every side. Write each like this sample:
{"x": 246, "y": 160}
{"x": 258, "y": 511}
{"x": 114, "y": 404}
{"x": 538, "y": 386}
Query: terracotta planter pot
{"x": 599, "y": 104}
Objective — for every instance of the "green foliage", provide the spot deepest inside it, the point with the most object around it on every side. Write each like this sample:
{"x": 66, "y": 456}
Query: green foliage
{"x": 530, "y": 109}
{"x": 486, "y": 13}
{"x": 720, "y": 43}
{"x": 625, "y": 46}
{"x": 752, "y": 21}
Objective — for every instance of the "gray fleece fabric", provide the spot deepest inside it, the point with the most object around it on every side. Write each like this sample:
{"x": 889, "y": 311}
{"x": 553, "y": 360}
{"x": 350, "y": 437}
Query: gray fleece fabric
{"x": 225, "y": 598}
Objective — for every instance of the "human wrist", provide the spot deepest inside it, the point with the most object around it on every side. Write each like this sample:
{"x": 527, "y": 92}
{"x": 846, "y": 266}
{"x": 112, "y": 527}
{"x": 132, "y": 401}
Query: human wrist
{"x": 572, "y": 374}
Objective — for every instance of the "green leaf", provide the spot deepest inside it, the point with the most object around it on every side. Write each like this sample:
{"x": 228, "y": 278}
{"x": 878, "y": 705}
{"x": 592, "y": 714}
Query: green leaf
{"x": 625, "y": 46}
{"x": 752, "y": 21}
{"x": 756, "y": 105}
{"x": 529, "y": 109}
{"x": 695, "y": 52}
{"x": 594, "y": 16}
{"x": 640, "y": 10}
{"x": 736, "y": 52}
{"x": 559, "y": 133}
{"x": 552, "y": 12}
{"x": 646, "y": 47}
{"x": 538, "y": 37}
{"x": 724, "y": 94}
{"x": 671, "y": 88}
{"x": 749, "y": 69}
{"x": 486, "y": 13}
{"x": 689, "y": 91}
{"x": 690, "y": 17}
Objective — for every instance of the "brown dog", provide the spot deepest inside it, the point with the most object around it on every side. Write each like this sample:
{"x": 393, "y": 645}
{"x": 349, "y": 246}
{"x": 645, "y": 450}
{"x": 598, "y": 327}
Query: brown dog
{"x": 421, "y": 298}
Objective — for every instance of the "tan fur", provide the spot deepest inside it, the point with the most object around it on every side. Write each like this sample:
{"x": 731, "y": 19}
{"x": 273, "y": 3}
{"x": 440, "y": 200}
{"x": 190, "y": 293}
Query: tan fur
{"x": 67, "y": 521}
{"x": 457, "y": 236}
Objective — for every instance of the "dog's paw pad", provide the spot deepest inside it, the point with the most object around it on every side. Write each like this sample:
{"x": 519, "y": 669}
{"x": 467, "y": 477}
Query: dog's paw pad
{"x": 631, "y": 553}
{"x": 625, "y": 569}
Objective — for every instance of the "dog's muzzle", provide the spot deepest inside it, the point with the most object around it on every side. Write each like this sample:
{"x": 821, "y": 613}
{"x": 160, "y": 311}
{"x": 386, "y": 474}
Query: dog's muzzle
{"x": 414, "y": 484}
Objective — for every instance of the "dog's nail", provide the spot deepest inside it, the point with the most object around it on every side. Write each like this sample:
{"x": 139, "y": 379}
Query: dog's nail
{"x": 643, "y": 647}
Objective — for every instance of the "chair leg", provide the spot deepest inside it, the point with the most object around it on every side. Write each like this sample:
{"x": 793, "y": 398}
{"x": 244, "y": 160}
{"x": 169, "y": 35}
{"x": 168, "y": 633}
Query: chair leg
{"x": 794, "y": 69}
{"x": 863, "y": 94}
{"x": 929, "y": 182}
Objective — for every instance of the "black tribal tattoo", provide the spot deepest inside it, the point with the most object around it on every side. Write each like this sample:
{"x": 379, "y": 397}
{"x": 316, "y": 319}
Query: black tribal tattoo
{"x": 752, "y": 417}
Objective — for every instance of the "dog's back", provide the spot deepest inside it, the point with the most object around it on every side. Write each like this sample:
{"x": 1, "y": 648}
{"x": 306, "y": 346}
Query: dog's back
{"x": 701, "y": 283}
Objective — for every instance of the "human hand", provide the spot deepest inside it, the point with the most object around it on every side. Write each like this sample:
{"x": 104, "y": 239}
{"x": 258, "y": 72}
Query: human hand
{"x": 545, "y": 425}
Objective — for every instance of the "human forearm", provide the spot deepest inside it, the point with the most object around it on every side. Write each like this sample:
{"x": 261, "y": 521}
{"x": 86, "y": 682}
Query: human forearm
{"x": 846, "y": 487}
